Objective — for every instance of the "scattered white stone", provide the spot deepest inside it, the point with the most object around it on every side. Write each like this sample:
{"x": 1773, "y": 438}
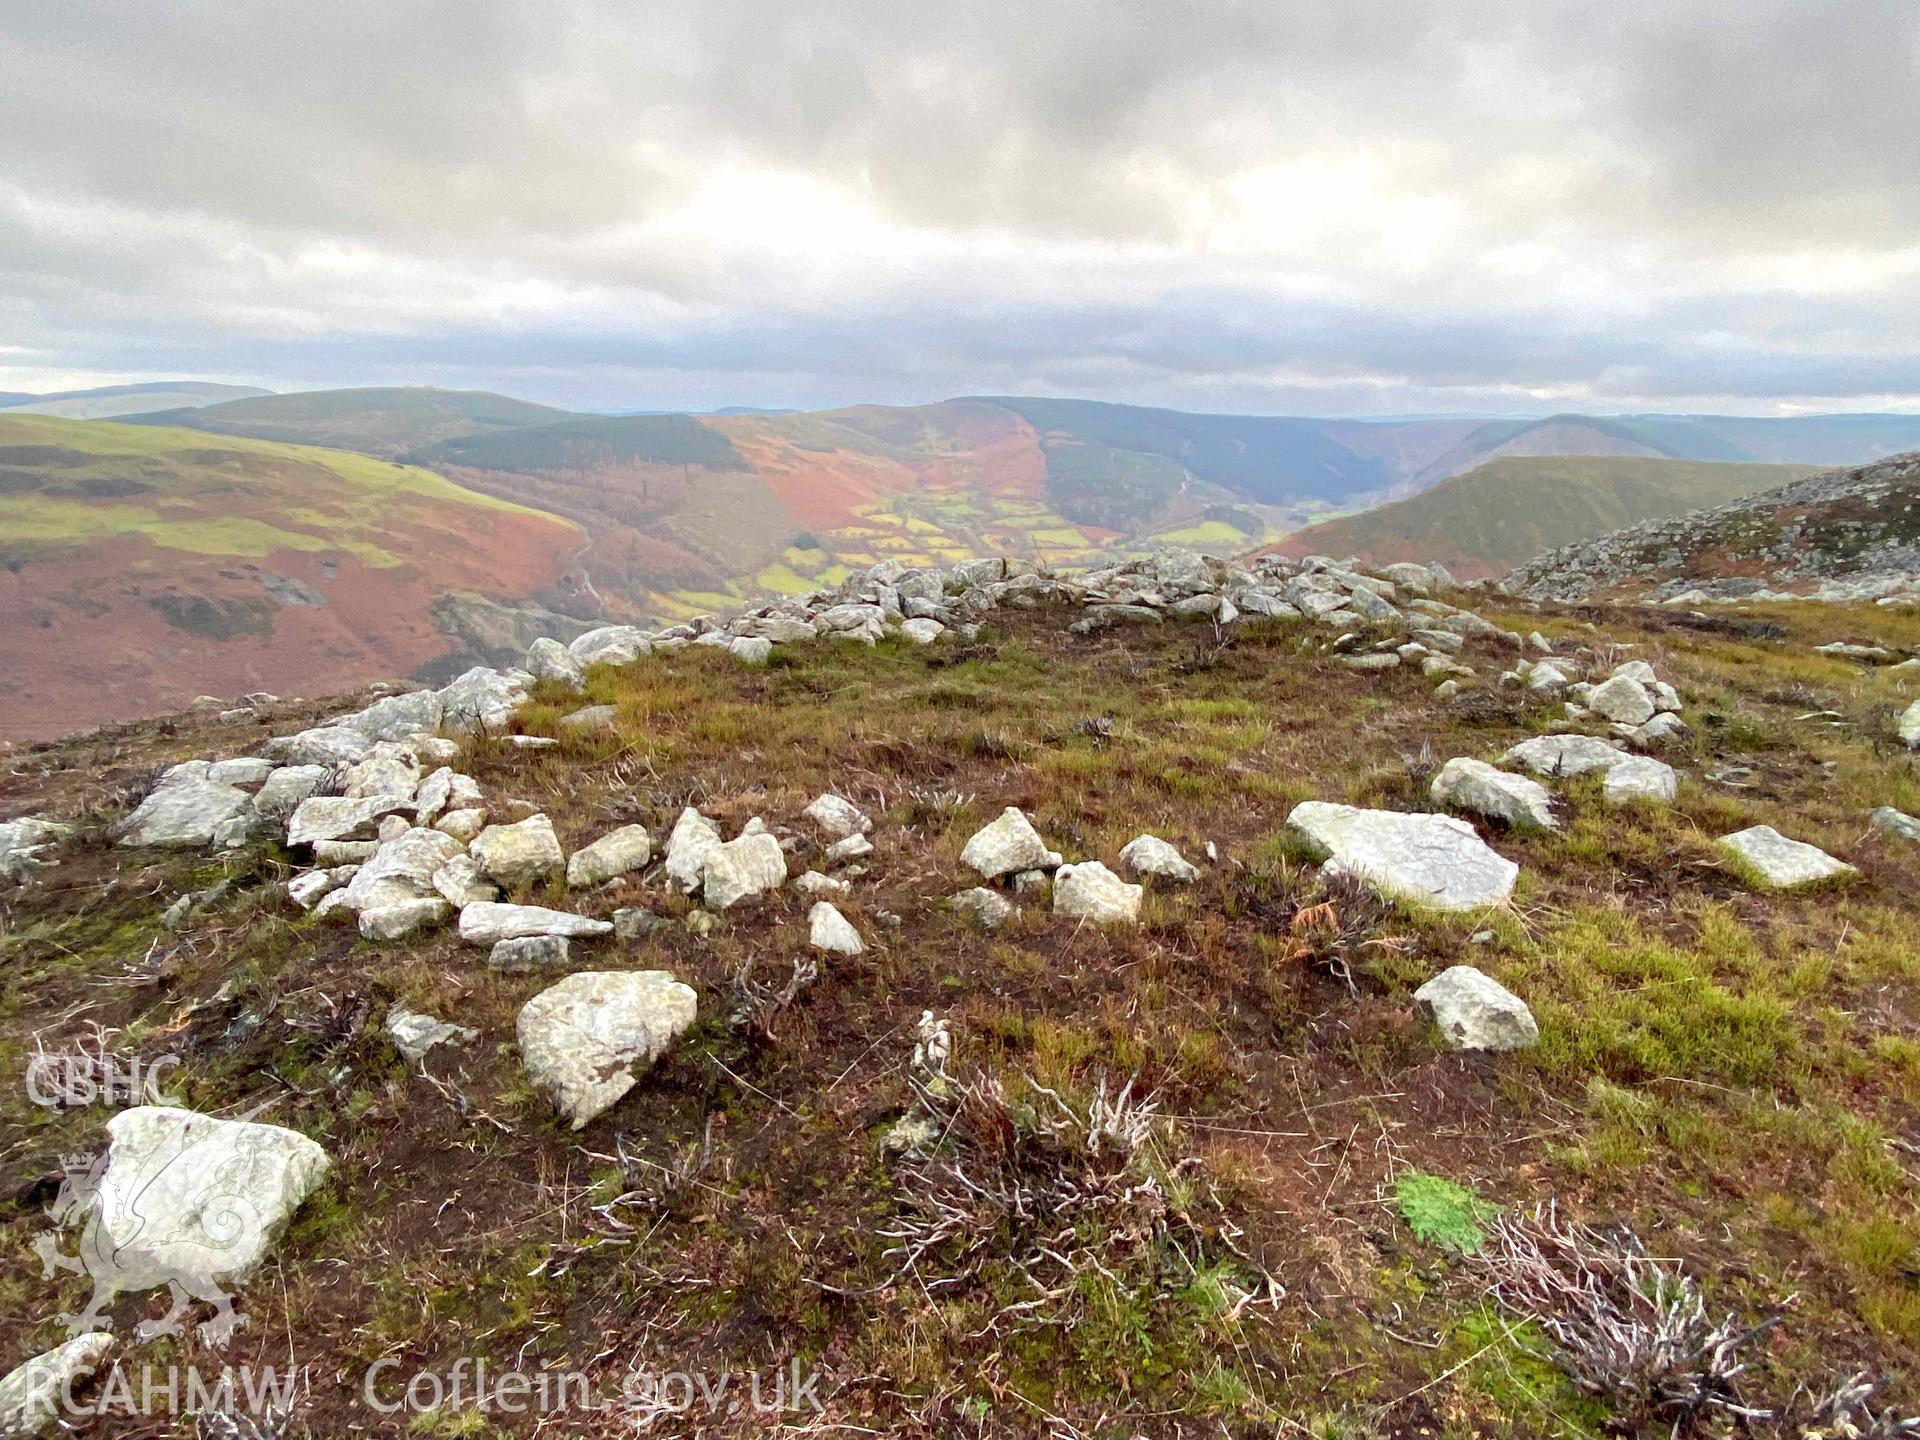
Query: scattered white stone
{"x": 1149, "y": 855}
{"x": 518, "y": 854}
{"x": 463, "y": 825}
{"x": 340, "y": 817}
{"x": 1009, "y": 845}
{"x": 922, "y": 631}
{"x": 446, "y": 789}
{"x": 590, "y": 720}
{"x": 838, "y": 817}
{"x": 185, "y": 813}
{"x": 487, "y": 923}
{"x": 530, "y": 952}
{"x": 1476, "y": 1012}
{"x": 751, "y": 649}
{"x": 1660, "y": 729}
{"x": 327, "y": 745}
{"x": 1090, "y": 891}
{"x": 813, "y": 884}
{"x": 395, "y": 717}
{"x": 286, "y": 787}
{"x": 1895, "y": 822}
{"x": 1638, "y": 778}
{"x": 1475, "y": 786}
{"x": 401, "y": 869}
{"x": 414, "y": 1034}
{"x": 548, "y": 659}
{"x": 619, "y": 852}
{"x": 694, "y": 841}
{"x": 389, "y": 768}
{"x": 829, "y": 930}
{"x": 1431, "y": 859}
{"x": 407, "y": 917}
{"x": 583, "y": 1038}
{"x": 34, "y": 1397}
{"x": 1909, "y": 728}
{"x": 989, "y": 908}
{"x": 1621, "y": 698}
{"x": 1778, "y": 863}
{"x": 460, "y": 883}
{"x": 483, "y": 699}
{"x": 24, "y": 843}
{"x": 307, "y": 889}
{"x": 741, "y": 869}
{"x": 610, "y": 645}
{"x": 1562, "y": 756}
{"x": 854, "y": 847}
{"x": 189, "y": 1195}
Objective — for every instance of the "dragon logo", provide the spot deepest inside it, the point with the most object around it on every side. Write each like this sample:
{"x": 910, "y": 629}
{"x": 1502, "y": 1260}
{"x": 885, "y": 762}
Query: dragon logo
{"x": 121, "y": 1249}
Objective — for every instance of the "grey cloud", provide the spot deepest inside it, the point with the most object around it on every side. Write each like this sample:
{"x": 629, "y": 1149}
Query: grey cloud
{"x": 1035, "y": 197}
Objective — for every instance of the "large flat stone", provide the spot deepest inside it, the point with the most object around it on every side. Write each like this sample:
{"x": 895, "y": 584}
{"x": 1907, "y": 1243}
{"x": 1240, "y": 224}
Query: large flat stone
{"x": 1432, "y": 860}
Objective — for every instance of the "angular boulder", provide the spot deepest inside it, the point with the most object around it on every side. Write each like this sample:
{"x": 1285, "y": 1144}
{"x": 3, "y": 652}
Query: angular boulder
{"x": 33, "y": 1398}
{"x": 837, "y": 817}
{"x": 1476, "y": 1012}
{"x": 186, "y": 1194}
{"x": 184, "y": 814}
{"x": 1481, "y": 789}
{"x": 1640, "y": 780}
{"x": 584, "y": 1039}
{"x": 404, "y": 918}
{"x": 1564, "y": 756}
{"x": 1622, "y": 698}
{"x": 488, "y": 922}
{"x": 401, "y": 869}
{"x": 618, "y": 852}
{"x": 693, "y": 842}
{"x": 414, "y": 1034}
{"x": 989, "y": 908}
{"x": 1149, "y": 855}
{"x": 1432, "y": 860}
{"x": 1006, "y": 846}
{"x": 341, "y": 817}
{"x": 829, "y": 930}
{"x": 741, "y": 869}
{"x": 1090, "y": 891}
{"x": 1777, "y": 863}
{"x": 518, "y": 854}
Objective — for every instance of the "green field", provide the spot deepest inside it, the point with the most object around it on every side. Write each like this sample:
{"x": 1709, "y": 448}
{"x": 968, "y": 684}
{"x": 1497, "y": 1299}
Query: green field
{"x": 70, "y": 481}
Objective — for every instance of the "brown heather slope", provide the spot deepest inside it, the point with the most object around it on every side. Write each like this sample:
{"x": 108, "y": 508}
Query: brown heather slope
{"x": 1734, "y": 1075}
{"x": 142, "y": 566}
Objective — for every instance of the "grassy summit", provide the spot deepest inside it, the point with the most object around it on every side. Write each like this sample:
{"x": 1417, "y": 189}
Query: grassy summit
{"x": 1505, "y": 512}
{"x": 1271, "y": 1249}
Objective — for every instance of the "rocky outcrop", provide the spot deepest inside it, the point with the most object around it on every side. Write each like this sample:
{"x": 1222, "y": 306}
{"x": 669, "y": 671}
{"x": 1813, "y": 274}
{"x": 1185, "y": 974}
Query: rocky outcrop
{"x": 1840, "y": 535}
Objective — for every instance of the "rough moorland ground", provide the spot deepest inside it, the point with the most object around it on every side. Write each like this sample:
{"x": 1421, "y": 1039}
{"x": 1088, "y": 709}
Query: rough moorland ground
{"x": 1735, "y": 1075}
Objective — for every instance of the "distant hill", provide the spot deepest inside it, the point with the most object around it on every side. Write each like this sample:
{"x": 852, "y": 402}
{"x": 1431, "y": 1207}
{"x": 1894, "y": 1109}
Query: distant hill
{"x": 107, "y": 401}
{"x": 1800, "y": 440}
{"x": 1483, "y": 523}
{"x": 1853, "y": 531}
{"x": 385, "y": 421}
{"x": 141, "y": 566}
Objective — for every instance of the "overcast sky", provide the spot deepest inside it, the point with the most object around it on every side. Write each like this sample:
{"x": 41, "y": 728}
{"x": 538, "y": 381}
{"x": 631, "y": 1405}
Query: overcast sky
{"x": 1290, "y": 206}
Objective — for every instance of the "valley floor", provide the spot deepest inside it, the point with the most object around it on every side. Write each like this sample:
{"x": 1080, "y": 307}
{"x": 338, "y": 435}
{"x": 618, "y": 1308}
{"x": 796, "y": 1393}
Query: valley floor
{"x": 1734, "y": 1075}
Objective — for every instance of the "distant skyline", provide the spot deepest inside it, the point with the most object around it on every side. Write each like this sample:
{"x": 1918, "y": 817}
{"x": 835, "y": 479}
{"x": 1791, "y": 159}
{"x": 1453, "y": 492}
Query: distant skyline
{"x": 1328, "y": 207}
